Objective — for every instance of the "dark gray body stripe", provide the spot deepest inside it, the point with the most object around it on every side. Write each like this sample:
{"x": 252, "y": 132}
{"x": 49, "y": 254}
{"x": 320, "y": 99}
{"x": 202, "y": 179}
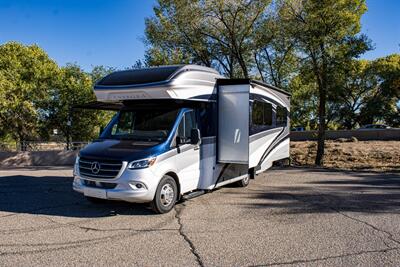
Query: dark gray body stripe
{"x": 278, "y": 139}
{"x": 259, "y": 135}
{"x": 253, "y": 137}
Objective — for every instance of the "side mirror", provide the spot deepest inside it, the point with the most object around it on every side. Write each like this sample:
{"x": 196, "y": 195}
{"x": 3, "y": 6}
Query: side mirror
{"x": 178, "y": 141}
{"x": 195, "y": 138}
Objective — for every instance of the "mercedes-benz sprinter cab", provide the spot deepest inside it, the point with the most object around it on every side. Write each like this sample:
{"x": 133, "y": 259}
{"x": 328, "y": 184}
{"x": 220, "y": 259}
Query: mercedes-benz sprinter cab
{"x": 137, "y": 151}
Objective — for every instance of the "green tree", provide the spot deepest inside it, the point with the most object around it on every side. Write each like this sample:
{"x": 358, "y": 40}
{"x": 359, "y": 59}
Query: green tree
{"x": 327, "y": 38}
{"x": 26, "y": 76}
{"x": 358, "y": 86}
{"x": 369, "y": 93}
{"x": 172, "y": 34}
{"x": 275, "y": 55}
{"x": 304, "y": 100}
{"x": 382, "y": 103}
{"x": 74, "y": 87}
{"x": 222, "y": 34}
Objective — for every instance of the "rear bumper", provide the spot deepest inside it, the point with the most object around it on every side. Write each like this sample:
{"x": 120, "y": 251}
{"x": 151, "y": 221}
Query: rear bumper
{"x": 137, "y": 186}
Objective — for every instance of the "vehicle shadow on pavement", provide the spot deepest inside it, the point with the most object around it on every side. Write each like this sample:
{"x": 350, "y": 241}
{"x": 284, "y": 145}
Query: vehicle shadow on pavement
{"x": 370, "y": 192}
{"x": 53, "y": 195}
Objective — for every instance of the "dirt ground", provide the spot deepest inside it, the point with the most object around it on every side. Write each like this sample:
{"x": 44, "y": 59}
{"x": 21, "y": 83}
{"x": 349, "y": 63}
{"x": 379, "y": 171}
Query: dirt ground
{"x": 350, "y": 154}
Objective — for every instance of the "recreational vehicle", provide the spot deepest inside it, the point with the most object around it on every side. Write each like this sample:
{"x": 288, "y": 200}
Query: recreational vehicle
{"x": 180, "y": 131}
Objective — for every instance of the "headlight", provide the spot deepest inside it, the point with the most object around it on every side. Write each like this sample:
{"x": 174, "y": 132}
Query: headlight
{"x": 140, "y": 164}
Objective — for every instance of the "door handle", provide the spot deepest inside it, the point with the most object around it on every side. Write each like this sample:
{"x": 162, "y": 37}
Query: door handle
{"x": 196, "y": 148}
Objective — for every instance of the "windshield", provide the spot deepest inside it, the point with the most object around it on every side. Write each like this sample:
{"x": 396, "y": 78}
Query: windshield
{"x": 142, "y": 125}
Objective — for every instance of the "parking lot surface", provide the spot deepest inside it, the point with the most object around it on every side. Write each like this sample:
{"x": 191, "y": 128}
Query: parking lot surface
{"x": 285, "y": 217}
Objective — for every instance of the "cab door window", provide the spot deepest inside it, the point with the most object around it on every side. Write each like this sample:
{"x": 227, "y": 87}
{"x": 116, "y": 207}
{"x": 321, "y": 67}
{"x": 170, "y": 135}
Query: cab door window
{"x": 188, "y": 122}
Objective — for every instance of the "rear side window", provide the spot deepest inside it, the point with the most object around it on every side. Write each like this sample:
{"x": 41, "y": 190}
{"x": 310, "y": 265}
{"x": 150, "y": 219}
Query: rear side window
{"x": 262, "y": 113}
{"x": 261, "y": 117}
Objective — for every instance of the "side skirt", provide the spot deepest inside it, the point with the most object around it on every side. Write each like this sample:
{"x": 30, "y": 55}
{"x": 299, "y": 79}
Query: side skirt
{"x": 227, "y": 182}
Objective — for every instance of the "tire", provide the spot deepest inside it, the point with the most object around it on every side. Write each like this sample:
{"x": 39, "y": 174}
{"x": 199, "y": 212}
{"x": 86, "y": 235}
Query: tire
{"x": 166, "y": 195}
{"x": 244, "y": 182}
{"x": 95, "y": 200}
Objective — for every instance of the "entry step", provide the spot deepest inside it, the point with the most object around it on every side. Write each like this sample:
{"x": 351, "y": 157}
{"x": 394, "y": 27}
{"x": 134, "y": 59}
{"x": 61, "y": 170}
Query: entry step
{"x": 193, "y": 194}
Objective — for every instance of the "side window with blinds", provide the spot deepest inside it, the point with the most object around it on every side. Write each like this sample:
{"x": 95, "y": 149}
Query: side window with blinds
{"x": 261, "y": 116}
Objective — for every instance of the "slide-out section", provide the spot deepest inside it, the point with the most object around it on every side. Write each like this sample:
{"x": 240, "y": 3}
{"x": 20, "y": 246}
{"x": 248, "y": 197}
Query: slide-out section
{"x": 233, "y": 122}
{"x": 233, "y": 128}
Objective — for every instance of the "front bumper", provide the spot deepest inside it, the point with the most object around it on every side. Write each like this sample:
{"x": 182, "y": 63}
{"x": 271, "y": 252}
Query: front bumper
{"x": 126, "y": 186}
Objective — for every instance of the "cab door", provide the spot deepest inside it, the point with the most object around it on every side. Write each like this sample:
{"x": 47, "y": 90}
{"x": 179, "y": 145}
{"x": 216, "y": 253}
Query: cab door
{"x": 187, "y": 159}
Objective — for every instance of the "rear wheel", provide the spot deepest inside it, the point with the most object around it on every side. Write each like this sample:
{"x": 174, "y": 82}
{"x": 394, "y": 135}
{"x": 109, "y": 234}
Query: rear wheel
{"x": 244, "y": 182}
{"x": 166, "y": 195}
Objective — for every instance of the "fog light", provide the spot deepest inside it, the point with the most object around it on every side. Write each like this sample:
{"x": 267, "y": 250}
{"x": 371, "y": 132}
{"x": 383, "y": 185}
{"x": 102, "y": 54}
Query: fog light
{"x": 137, "y": 186}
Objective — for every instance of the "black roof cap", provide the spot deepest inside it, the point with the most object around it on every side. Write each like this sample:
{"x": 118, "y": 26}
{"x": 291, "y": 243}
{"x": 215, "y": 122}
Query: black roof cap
{"x": 139, "y": 76}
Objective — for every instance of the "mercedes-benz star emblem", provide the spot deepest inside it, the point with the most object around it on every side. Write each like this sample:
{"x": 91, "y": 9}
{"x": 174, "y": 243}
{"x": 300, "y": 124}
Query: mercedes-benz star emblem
{"x": 95, "y": 167}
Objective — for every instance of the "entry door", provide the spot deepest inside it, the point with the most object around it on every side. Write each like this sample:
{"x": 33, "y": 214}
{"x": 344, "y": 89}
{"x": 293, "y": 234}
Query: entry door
{"x": 233, "y": 123}
{"x": 188, "y": 157}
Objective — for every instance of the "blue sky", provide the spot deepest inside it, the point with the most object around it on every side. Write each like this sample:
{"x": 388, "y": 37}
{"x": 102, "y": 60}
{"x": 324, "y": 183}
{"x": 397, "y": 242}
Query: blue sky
{"x": 109, "y": 32}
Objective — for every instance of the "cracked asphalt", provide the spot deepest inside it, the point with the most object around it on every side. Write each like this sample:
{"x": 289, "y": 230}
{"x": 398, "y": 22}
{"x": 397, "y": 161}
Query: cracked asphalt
{"x": 285, "y": 217}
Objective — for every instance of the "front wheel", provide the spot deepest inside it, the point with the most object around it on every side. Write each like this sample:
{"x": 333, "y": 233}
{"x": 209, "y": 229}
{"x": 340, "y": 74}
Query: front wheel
{"x": 166, "y": 195}
{"x": 244, "y": 182}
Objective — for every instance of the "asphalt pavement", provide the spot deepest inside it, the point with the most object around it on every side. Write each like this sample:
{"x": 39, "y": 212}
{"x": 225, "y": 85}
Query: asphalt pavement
{"x": 285, "y": 217}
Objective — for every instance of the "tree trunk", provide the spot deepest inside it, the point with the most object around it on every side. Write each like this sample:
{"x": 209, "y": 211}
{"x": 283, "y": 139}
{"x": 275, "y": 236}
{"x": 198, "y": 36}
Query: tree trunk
{"x": 68, "y": 136}
{"x": 322, "y": 89}
{"x": 68, "y": 142}
{"x": 319, "y": 160}
{"x": 243, "y": 67}
{"x": 22, "y": 144}
{"x": 258, "y": 67}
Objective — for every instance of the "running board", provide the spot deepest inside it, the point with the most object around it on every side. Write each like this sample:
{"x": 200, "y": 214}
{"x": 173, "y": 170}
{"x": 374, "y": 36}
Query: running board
{"x": 193, "y": 194}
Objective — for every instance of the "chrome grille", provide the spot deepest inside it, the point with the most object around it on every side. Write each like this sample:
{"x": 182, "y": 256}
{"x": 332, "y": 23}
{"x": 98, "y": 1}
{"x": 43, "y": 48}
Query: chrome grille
{"x": 96, "y": 168}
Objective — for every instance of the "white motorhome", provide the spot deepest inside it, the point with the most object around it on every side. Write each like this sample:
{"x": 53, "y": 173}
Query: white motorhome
{"x": 180, "y": 131}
